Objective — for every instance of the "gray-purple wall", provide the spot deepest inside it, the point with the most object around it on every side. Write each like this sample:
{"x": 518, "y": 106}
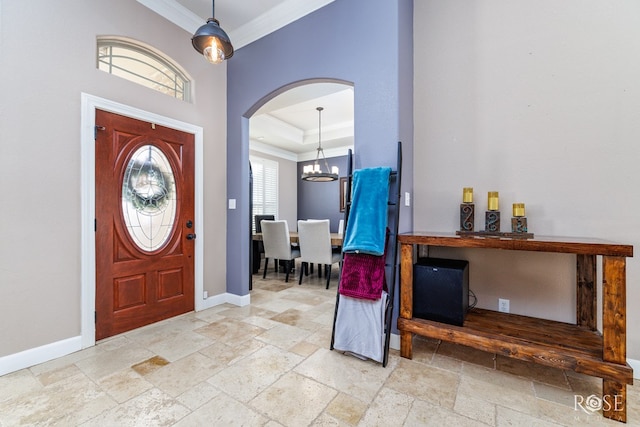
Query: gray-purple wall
{"x": 321, "y": 200}
{"x": 367, "y": 43}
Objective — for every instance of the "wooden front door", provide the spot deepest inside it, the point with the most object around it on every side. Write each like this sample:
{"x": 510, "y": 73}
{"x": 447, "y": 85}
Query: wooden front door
{"x": 144, "y": 223}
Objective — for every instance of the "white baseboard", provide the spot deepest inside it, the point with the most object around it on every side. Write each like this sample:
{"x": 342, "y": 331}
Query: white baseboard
{"x": 34, "y": 356}
{"x": 238, "y": 300}
{"x": 394, "y": 341}
{"x": 25, "y": 359}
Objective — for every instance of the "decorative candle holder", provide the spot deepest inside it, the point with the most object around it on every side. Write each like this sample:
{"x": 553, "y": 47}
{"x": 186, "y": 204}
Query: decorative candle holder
{"x": 492, "y": 221}
{"x": 519, "y": 221}
{"x": 467, "y": 210}
{"x": 492, "y": 216}
{"x": 467, "y": 216}
{"x": 519, "y": 224}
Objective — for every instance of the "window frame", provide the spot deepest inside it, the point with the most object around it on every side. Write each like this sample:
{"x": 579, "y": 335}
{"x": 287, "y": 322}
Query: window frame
{"x": 270, "y": 197}
{"x": 182, "y": 83}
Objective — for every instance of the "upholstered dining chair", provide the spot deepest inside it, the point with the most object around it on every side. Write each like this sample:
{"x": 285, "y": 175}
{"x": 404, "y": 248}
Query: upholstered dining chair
{"x": 277, "y": 245}
{"x": 314, "y": 239}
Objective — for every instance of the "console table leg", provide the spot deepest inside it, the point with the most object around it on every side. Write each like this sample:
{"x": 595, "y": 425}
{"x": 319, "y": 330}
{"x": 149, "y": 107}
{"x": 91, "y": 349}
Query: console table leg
{"x": 406, "y": 344}
{"x": 614, "y": 333}
{"x": 587, "y": 292}
{"x": 406, "y": 297}
{"x": 614, "y": 400}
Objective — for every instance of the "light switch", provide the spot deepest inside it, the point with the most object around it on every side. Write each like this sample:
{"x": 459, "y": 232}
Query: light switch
{"x": 407, "y": 198}
{"x": 232, "y": 203}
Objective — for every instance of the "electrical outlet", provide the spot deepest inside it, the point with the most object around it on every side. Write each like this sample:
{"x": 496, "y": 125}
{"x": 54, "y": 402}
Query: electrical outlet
{"x": 205, "y": 295}
{"x": 503, "y": 305}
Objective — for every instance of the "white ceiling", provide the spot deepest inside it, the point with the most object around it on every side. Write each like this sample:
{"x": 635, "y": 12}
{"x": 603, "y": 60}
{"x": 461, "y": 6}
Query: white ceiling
{"x": 290, "y": 122}
{"x": 286, "y": 126}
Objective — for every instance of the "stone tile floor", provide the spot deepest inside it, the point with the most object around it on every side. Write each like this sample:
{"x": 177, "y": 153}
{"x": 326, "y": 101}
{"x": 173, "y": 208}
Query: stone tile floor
{"x": 269, "y": 364}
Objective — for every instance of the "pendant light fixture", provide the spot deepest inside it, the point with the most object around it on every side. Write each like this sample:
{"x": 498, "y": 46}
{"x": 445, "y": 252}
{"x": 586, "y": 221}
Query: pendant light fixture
{"x": 211, "y": 40}
{"x": 314, "y": 172}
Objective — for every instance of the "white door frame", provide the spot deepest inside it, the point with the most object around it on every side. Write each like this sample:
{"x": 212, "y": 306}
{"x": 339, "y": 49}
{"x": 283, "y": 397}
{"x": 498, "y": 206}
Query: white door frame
{"x": 89, "y": 104}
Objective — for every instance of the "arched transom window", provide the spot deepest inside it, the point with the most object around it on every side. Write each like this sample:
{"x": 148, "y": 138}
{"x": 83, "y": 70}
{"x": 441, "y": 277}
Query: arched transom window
{"x": 141, "y": 64}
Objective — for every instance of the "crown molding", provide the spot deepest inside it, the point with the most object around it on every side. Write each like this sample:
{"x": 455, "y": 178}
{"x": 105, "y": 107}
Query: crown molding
{"x": 328, "y": 153}
{"x": 261, "y": 147}
{"x": 267, "y": 124}
{"x": 176, "y": 13}
{"x": 330, "y": 132}
{"x": 276, "y": 18}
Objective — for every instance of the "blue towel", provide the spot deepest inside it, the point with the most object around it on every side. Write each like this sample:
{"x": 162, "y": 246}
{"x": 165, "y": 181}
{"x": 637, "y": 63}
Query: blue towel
{"x": 367, "y": 224}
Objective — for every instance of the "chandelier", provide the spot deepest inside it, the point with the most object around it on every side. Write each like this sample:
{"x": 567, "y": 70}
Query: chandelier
{"x": 314, "y": 172}
{"x": 211, "y": 40}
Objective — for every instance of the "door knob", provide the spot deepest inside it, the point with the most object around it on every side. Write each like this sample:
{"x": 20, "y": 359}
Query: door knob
{"x": 191, "y": 236}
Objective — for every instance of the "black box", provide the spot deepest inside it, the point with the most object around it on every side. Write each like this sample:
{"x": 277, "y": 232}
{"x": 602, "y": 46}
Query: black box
{"x": 441, "y": 290}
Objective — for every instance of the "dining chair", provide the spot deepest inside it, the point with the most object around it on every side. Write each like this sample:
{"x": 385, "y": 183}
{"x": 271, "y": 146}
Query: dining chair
{"x": 259, "y": 218}
{"x": 277, "y": 245}
{"x": 314, "y": 239}
{"x": 338, "y": 248}
{"x": 259, "y": 246}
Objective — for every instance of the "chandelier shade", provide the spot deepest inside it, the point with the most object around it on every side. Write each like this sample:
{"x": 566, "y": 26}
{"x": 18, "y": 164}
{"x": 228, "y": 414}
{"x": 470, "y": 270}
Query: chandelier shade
{"x": 314, "y": 172}
{"x": 212, "y": 42}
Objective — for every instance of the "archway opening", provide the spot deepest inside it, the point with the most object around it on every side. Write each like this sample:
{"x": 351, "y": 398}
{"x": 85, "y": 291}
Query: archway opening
{"x": 283, "y": 136}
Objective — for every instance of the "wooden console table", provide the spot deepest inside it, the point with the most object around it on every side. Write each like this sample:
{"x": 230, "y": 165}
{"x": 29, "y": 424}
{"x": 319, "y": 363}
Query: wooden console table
{"x": 578, "y": 347}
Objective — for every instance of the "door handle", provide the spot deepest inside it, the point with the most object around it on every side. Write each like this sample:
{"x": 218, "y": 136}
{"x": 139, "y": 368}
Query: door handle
{"x": 191, "y": 236}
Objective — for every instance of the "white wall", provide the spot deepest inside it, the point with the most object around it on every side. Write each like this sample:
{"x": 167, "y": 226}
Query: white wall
{"x": 47, "y": 59}
{"x": 539, "y": 100}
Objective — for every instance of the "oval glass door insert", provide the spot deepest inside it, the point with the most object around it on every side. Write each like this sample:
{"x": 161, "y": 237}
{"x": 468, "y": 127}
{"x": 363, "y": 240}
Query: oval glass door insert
{"x": 149, "y": 198}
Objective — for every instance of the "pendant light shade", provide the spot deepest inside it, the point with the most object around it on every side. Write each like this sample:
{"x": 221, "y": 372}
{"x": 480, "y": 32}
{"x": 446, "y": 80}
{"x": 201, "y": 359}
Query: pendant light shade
{"x": 314, "y": 172}
{"x": 211, "y": 41}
